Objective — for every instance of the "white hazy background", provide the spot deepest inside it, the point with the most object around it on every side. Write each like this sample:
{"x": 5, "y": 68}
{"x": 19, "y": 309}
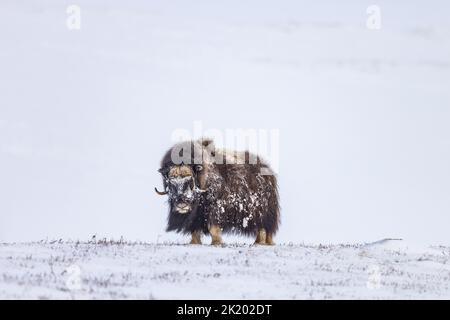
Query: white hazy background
{"x": 364, "y": 115}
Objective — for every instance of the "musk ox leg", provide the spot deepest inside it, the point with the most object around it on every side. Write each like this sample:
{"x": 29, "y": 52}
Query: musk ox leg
{"x": 261, "y": 236}
{"x": 196, "y": 237}
{"x": 216, "y": 235}
{"x": 269, "y": 239}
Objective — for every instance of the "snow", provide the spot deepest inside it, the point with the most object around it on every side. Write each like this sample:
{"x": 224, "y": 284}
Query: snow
{"x": 134, "y": 270}
{"x": 245, "y": 222}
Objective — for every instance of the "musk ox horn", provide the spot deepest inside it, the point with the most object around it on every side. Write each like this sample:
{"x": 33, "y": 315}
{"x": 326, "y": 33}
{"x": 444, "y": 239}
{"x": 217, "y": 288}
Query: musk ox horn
{"x": 199, "y": 190}
{"x": 161, "y": 193}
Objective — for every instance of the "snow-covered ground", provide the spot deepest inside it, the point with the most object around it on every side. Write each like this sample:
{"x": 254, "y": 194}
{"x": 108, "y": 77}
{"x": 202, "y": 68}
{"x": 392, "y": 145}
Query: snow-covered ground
{"x": 390, "y": 269}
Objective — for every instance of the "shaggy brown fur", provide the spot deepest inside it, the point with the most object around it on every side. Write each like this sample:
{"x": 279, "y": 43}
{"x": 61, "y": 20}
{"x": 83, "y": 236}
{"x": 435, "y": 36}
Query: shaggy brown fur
{"x": 213, "y": 191}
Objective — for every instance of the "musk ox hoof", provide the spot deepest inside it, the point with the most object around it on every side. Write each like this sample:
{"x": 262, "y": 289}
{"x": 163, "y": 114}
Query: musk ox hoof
{"x": 259, "y": 243}
{"x": 217, "y": 243}
{"x": 196, "y": 238}
{"x": 269, "y": 244}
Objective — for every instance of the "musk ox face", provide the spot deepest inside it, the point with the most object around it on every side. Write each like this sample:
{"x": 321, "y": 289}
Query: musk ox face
{"x": 181, "y": 187}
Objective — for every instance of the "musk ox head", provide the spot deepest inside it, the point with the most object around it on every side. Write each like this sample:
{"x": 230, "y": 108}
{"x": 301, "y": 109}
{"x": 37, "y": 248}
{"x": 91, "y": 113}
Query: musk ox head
{"x": 182, "y": 178}
{"x": 181, "y": 185}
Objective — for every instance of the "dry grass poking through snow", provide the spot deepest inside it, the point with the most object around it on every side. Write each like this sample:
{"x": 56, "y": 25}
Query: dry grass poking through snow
{"x": 133, "y": 270}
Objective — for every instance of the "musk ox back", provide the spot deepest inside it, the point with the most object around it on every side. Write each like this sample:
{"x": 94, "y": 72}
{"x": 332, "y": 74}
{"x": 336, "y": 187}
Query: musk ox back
{"x": 213, "y": 191}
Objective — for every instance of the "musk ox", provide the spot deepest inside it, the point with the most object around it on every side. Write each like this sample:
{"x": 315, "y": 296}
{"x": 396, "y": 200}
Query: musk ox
{"x": 211, "y": 191}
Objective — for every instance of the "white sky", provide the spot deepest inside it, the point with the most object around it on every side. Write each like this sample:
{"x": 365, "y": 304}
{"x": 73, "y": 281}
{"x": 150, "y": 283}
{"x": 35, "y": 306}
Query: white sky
{"x": 363, "y": 115}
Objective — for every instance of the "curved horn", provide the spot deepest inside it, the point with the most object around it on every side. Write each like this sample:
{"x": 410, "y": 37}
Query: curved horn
{"x": 161, "y": 193}
{"x": 199, "y": 190}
